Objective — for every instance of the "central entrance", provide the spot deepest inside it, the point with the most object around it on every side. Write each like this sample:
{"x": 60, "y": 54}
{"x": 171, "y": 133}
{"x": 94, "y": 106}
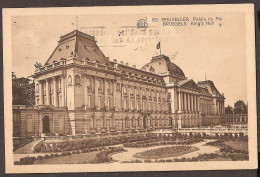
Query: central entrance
{"x": 46, "y": 124}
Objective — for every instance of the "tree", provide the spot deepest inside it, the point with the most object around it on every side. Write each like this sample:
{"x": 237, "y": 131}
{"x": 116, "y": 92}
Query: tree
{"x": 22, "y": 91}
{"x": 228, "y": 110}
{"x": 240, "y": 107}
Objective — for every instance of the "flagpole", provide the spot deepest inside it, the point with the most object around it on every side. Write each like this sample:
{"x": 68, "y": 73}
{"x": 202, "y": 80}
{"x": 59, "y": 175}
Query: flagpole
{"x": 77, "y": 22}
{"x": 160, "y": 48}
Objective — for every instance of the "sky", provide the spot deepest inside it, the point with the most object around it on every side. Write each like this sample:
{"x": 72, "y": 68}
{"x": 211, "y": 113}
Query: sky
{"x": 215, "y": 51}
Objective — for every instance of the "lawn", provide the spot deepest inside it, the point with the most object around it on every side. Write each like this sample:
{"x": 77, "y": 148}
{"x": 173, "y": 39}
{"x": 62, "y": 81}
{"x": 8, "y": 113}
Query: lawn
{"x": 237, "y": 145}
{"x": 173, "y": 151}
{"x": 70, "y": 159}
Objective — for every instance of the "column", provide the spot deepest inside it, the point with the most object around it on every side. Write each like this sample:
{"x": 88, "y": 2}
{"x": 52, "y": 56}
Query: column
{"x": 105, "y": 93}
{"x": 195, "y": 103}
{"x": 179, "y": 101}
{"x": 63, "y": 90}
{"x": 156, "y": 93}
{"x": 86, "y": 92}
{"x": 189, "y": 102}
{"x": 185, "y": 102}
{"x": 122, "y": 96}
{"x": 218, "y": 108}
{"x": 55, "y": 91}
{"x": 135, "y": 103}
{"x": 129, "y": 99}
{"x": 47, "y": 93}
{"x": 41, "y": 93}
{"x": 192, "y": 106}
{"x": 96, "y": 92}
{"x": 114, "y": 95}
{"x": 198, "y": 103}
{"x": 223, "y": 107}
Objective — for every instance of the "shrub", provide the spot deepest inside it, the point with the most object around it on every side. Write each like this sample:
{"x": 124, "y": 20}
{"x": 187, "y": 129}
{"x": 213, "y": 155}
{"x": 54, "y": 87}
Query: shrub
{"x": 101, "y": 157}
{"x": 147, "y": 161}
{"x": 27, "y": 160}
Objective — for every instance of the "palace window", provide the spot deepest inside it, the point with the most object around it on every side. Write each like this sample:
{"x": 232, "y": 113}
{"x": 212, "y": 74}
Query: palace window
{"x": 109, "y": 86}
{"x": 61, "y": 123}
{"x": 88, "y": 82}
{"x": 137, "y": 105}
{"x": 108, "y": 103}
{"x": 60, "y": 83}
{"x": 124, "y": 89}
{"x": 130, "y": 90}
{"x": 37, "y": 87}
{"x": 133, "y": 122}
{"x": 69, "y": 80}
{"x": 99, "y": 101}
{"x": 107, "y": 123}
{"x": 29, "y": 124}
{"x": 98, "y": 123}
{"x": 144, "y": 105}
{"x": 125, "y": 104}
{"x": 99, "y": 85}
{"x": 89, "y": 100}
{"x": 132, "y": 104}
{"x": 77, "y": 80}
{"x": 60, "y": 101}
{"x": 169, "y": 95}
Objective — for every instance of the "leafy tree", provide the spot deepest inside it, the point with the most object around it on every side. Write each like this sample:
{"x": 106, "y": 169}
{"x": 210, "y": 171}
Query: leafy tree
{"x": 22, "y": 91}
{"x": 228, "y": 110}
{"x": 240, "y": 107}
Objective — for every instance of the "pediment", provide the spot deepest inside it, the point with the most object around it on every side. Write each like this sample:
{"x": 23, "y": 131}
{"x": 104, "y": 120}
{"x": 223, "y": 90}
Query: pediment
{"x": 190, "y": 84}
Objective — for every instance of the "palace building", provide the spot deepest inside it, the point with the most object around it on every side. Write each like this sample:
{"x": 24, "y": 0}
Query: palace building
{"x": 80, "y": 91}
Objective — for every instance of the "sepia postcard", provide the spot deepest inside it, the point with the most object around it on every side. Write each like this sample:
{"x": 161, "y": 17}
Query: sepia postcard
{"x": 130, "y": 88}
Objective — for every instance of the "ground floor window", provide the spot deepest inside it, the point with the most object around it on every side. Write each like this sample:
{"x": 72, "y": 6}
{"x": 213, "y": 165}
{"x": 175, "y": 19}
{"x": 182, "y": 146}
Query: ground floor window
{"x": 29, "y": 124}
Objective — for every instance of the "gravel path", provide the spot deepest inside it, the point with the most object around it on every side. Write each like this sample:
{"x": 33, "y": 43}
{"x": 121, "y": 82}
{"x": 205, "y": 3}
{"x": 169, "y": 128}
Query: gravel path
{"x": 128, "y": 156}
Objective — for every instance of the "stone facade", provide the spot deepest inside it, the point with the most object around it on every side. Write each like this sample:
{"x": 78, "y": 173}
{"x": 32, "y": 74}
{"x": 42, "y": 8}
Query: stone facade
{"x": 80, "y": 91}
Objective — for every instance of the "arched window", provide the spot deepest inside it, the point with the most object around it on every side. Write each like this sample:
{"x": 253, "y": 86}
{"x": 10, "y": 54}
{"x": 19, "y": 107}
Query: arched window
{"x": 37, "y": 87}
{"x": 127, "y": 125}
{"x": 77, "y": 80}
{"x": 69, "y": 80}
{"x": 133, "y": 121}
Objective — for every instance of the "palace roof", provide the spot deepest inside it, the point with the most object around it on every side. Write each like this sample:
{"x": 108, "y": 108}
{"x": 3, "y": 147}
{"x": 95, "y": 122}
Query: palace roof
{"x": 161, "y": 64}
{"x": 78, "y": 44}
{"x": 210, "y": 87}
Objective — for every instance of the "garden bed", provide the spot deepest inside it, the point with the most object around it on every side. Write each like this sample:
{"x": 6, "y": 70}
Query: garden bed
{"x": 91, "y": 143}
{"x": 164, "y": 152}
{"x": 93, "y": 155}
{"x": 237, "y": 145}
{"x": 71, "y": 159}
{"x": 231, "y": 146}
